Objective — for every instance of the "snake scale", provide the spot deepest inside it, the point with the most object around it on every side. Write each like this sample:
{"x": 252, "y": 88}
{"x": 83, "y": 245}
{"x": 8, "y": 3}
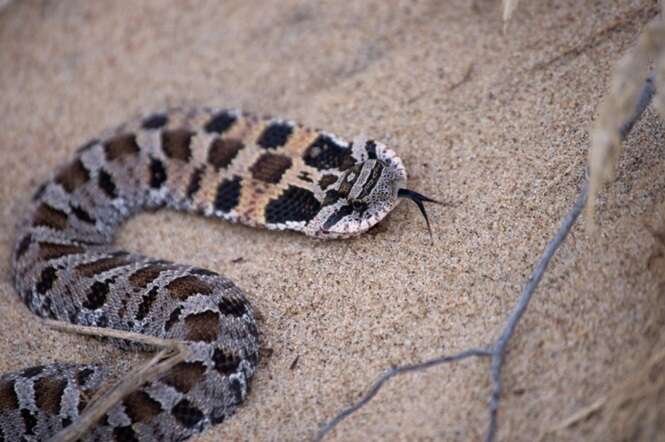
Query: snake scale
{"x": 258, "y": 171}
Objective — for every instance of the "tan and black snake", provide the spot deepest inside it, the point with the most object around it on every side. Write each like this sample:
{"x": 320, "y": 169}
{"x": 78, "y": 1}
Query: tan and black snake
{"x": 261, "y": 172}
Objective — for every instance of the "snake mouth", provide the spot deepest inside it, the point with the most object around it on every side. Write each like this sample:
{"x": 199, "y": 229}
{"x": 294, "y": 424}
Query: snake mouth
{"x": 355, "y": 227}
{"x": 332, "y": 234}
{"x": 349, "y": 225}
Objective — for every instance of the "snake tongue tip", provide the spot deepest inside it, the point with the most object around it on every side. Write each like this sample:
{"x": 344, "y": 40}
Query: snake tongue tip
{"x": 419, "y": 199}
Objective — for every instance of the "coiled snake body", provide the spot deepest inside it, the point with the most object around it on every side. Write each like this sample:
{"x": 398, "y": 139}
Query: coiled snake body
{"x": 258, "y": 171}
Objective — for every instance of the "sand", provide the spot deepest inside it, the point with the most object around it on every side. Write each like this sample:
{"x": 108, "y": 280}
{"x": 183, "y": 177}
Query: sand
{"x": 495, "y": 126}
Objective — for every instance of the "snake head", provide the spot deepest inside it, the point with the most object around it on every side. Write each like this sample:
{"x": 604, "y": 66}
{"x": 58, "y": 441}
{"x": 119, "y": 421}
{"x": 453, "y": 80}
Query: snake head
{"x": 362, "y": 195}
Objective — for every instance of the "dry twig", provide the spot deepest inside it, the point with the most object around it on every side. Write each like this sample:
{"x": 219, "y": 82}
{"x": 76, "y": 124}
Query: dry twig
{"x": 394, "y": 372}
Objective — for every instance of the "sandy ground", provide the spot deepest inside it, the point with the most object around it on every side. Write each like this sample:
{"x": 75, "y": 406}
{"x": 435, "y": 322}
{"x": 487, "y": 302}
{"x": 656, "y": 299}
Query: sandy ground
{"x": 493, "y": 125}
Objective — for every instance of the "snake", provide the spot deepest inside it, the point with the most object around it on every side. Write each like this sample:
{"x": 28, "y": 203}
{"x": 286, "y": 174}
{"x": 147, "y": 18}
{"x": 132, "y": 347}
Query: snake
{"x": 223, "y": 163}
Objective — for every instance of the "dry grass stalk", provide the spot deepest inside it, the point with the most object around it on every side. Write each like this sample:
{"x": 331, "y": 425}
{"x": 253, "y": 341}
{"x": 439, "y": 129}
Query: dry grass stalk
{"x": 509, "y": 7}
{"x": 635, "y": 409}
{"x": 628, "y": 78}
{"x": 172, "y": 353}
